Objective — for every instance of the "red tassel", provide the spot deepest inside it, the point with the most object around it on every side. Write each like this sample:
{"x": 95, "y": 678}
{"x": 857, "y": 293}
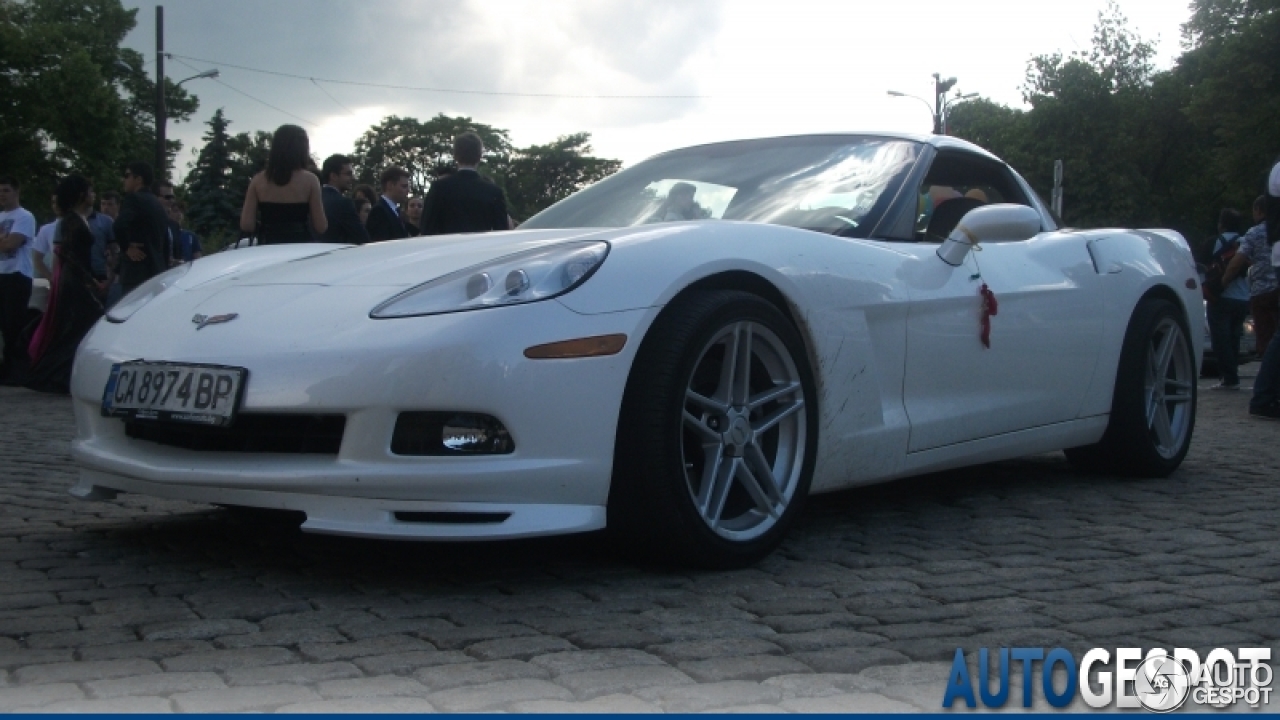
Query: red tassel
{"x": 989, "y": 307}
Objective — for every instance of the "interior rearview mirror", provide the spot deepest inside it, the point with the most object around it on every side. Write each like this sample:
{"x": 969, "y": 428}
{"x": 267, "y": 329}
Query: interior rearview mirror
{"x": 1003, "y": 222}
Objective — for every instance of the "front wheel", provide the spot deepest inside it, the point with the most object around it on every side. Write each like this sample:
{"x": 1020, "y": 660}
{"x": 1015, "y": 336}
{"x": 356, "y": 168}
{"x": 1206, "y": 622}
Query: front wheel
{"x": 1153, "y": 410}
{"x": 717, "y": 436}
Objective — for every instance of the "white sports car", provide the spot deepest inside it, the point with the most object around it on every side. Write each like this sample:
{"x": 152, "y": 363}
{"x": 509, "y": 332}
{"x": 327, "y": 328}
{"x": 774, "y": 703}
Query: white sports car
{"x": 680, "y": 353}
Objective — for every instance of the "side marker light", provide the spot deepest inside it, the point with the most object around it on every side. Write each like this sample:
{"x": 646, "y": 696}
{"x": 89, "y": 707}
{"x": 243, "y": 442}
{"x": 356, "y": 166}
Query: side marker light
{"x": 579, "y": 348}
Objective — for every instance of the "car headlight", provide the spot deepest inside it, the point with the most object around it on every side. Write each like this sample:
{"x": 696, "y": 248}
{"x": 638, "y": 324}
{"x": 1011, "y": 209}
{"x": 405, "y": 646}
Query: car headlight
{"x": 145, "y": 293}
{"x": 530, "y": 276}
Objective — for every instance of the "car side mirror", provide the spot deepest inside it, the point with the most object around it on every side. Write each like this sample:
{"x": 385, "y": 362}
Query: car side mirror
{"x": 1003, "y": 222}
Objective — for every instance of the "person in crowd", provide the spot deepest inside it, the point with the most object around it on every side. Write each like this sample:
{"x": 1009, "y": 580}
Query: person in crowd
{"x": 1228, "y": 305}
{"x": 1254, "y": 254}
{"x": 186, "y": 246}
{"x": 110, "y": 204}
{"x": 1265, "y": 402}
{"x": 74, "y": 305}
{"x": 363, "y": 208}
{"x": 366, "y": 192}
{"x": 345, "y": 223}
{"x": 141, "y": 229}
{"x": 42, "y": 246}
{"x": 100, "y": 224}
{"x": 17, "y": 229}
{"x": 285, "y": 197}
{"x": 385, "y": 219}
{"x": 465, "y": 202}
{"x": 106, "y": 218}
{"x": 164, "y": 193}
{"x": 413, "y": 216}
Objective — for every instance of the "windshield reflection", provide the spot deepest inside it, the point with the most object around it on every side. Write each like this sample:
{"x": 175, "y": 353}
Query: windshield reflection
{"x": 831, "y": 184}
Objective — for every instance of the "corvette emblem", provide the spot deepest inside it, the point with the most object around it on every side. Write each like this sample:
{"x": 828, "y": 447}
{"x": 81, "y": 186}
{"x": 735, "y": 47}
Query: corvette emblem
{"x": 202, "y": 320}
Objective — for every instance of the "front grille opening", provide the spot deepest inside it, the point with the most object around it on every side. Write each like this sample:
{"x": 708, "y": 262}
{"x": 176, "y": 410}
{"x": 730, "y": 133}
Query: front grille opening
{"x": 250, "y": 433}
{"x": 453, "y": 518}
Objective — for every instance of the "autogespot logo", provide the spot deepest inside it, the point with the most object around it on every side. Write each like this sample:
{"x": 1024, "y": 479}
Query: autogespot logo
{"x": 1162, "y": 684}
{"x": 1161, "y": 681}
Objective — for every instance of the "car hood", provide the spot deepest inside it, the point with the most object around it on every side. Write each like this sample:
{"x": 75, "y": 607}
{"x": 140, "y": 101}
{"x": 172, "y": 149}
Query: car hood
{"x": 394, "y": 263}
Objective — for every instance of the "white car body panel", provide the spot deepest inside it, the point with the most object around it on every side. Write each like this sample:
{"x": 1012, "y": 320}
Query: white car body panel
{"x": 892, "y": 333}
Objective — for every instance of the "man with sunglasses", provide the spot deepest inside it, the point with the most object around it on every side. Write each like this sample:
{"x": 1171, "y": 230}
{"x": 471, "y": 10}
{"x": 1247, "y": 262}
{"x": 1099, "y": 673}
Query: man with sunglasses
{"x": 141, "y": 229}
{"x": 164, "y": 193}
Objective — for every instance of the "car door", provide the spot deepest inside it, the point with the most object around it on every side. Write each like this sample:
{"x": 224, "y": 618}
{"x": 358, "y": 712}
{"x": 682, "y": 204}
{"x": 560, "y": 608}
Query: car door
{"x": 1044, "y": 335}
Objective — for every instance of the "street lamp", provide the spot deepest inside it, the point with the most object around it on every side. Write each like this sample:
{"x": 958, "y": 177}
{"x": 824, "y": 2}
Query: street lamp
{"x": 940, "y": 102}
{"x": 940, "y": 88}
{"x": 162, "y": 155}
{"x": 895, "y": 93}
{"x": 162, "y": 119}
{"x": 946, "y": 109}
{"x": 206, "y": 74}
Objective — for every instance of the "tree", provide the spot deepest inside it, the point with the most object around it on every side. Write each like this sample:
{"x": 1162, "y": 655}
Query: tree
{"x": 1214, "y": 20}
{"x": 248, "y": 156}
{"x": 425, "y": 148}
{"x": 541, "y": 175}
{"x": 213, "y": 207}
{"x": 1142, "y": 147}
{"x": 1091, "y": 110}
{"x": 74, "y": 99}
{"x": 998, "y": 128}
{"x": 1233, "y": 91}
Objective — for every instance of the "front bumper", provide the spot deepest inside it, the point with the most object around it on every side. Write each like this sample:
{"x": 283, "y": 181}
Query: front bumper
{"x": 371, "y": 518}
{"x": 312, "y": 353}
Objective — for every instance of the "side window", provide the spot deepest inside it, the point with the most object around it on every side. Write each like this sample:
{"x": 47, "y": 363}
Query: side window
{"x": 956, "y": 183}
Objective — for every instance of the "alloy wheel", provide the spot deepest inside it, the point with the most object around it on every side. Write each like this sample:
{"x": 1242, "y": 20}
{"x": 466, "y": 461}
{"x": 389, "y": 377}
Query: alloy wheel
{"x": 1168, "y": 388}
{"x": 743, "y": 431}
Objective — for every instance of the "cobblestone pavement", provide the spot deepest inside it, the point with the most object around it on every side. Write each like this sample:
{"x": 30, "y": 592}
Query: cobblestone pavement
{"x": 151, "y": 605}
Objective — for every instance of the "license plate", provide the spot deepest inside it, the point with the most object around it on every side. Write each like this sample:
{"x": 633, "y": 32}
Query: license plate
{"x": 174, "y": 392}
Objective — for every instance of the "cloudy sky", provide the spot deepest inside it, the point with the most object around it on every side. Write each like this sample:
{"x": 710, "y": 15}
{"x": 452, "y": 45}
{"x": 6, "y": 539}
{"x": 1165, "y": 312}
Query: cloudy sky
{"x": 706, "y": 69}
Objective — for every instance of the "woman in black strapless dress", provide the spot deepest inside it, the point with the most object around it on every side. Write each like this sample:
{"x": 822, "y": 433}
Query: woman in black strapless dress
{"x": 283, "y": 202}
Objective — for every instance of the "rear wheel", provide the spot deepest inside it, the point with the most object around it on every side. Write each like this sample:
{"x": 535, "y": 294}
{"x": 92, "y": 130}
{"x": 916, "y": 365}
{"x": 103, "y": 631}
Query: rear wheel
{"x": 1153, "y": 409}
{"x": 717, "y": 435}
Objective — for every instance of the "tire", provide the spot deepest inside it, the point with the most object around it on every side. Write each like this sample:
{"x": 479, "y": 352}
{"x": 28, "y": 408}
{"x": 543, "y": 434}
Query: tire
{"x": 708, "y": 472}
{"x": 1153, "y": 407}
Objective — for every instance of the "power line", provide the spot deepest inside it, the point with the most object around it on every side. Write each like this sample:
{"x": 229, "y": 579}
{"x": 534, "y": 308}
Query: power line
{"x": 331, "y": 97}
{"x": 453, "y": 91}
{"x": 264, "y": 102}
{"x": 234, "y": 89}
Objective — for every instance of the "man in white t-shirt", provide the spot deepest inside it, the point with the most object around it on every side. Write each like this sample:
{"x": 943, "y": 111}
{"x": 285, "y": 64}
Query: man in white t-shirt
{"x": 42, "y": 248}
{"x": 42, "y": 266}
{"x": 17, "y": 229}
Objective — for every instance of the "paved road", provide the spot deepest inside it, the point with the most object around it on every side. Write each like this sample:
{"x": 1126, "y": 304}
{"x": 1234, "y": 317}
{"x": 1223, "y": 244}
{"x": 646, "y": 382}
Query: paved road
{"x": 153, "y": 605}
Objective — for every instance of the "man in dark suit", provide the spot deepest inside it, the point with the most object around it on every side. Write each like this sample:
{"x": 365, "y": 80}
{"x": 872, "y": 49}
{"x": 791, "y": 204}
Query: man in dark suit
{"x": 141, "y": 229}
{"x": 465, "y": 202}
{"x": 163, "y": 191}
{"x": 344, "y": 221}
{"x": 384, "y": 221}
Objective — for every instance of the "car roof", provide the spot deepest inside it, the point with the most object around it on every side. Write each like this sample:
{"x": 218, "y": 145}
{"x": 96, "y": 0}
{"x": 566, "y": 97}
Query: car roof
{"x": 941, "y": 142}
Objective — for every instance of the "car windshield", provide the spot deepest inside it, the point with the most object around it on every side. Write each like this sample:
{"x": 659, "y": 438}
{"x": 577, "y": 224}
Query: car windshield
{"x": 831, "y": 184}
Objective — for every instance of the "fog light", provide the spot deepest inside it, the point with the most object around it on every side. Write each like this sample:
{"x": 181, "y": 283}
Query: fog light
{"x": 450, "y": 433}
{"x": 475, "y": 434}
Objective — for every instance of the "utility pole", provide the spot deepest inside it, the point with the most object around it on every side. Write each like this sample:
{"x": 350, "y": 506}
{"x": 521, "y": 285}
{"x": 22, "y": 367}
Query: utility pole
{"x": 940, "y": 88}
{"x": 162, "y": 157}
{"x": 1056, "y": 198}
